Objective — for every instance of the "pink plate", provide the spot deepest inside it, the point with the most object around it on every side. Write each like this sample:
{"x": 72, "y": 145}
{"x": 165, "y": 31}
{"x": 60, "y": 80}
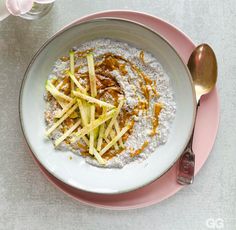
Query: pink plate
{"x": 205, "y": 131}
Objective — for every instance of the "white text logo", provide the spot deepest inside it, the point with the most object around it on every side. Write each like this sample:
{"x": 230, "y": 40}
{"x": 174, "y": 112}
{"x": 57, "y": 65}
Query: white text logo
{"x": 212, "y": 223}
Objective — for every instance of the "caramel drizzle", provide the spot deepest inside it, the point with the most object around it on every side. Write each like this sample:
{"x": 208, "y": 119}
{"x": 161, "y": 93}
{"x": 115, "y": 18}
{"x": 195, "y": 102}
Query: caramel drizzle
{"x": 111, "y": 153}
{"x": 138, "y": 151}
{"x": 155, "y": 120}
{"x": 141, "y": 56}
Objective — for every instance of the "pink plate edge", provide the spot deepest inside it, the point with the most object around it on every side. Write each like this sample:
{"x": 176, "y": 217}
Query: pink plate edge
{"x": 131, "y": 15}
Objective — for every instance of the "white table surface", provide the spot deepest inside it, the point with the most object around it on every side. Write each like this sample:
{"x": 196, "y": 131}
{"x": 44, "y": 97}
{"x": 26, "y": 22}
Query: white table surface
{"x": 29, "y": 201}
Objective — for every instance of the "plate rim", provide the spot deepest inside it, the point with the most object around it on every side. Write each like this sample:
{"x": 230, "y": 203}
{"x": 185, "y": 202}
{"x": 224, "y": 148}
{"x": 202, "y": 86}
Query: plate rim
{"x": 47, "y": 42}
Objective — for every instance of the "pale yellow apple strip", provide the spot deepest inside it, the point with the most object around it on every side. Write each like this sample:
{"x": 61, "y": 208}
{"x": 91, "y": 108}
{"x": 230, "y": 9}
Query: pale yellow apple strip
{"x": 91, "y": 135}
{"x": 59, "y": 85}
{"x": 72, "y": 67}
{"x": 52, "y": 89}
{"x": 92, "y": 100}
{"x": 87, "y": 109}
{"x": 67, "y": 133}
{"x": 114, "y": 140}
{"x": 102, "y": 119}
{"x": 109, "y": 127}
{"x": 59, "y": 114}
{"x": 117, "y": 128}
{"x": 112, "y": 135}
{"x": 92, "y": 77}
{"x": 99, "y": 158}
{"x": 96, "y": 154}
{"x": 67, "y": 114}
{"x": 75, "y": 115}
{"x": 86, "y": 140}
{"x": 60, "y": 101}
{"x": 101, "y": 132}
{"x": 80, "y": 87}
{"x": 83, "y": 112}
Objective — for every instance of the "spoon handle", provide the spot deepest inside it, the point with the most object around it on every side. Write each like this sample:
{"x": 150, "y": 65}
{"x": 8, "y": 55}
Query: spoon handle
{"x": 186, "y": 165}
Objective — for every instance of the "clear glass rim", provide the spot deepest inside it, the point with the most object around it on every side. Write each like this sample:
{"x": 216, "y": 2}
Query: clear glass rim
{"x": 36, "y": 14}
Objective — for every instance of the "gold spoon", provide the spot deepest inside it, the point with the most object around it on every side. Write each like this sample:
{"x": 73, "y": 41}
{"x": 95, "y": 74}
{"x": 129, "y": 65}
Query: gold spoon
{"x": 202, "y": 65}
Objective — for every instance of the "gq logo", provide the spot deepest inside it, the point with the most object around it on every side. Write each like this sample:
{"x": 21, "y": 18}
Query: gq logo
{"x": 212, "y": 223}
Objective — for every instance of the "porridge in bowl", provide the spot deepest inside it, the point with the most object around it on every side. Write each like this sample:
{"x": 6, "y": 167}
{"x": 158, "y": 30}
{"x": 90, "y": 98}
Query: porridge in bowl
{"x": 109, "y": 102}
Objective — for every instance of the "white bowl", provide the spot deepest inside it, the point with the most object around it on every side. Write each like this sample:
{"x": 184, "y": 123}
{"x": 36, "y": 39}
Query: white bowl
{"x": 77, "y": 172}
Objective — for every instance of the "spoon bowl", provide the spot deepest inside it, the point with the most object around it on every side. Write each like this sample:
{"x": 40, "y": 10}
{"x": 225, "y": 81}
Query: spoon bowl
{"x": 202, "y": 65}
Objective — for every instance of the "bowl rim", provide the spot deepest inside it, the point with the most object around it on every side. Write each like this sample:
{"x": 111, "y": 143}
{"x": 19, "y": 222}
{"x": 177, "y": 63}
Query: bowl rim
{"x": 58, "y": 33}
